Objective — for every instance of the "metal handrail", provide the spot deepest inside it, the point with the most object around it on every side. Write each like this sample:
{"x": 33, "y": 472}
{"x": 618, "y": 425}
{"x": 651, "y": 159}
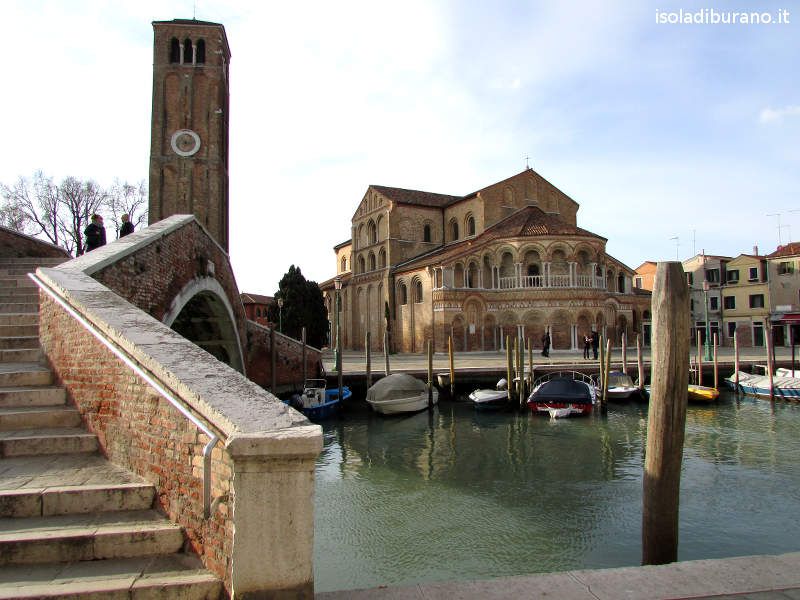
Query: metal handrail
{"x": 125, "y": 357}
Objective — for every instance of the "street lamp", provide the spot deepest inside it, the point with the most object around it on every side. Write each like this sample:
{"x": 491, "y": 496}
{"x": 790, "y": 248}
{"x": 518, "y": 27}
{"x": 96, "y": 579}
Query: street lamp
{"x": 280, "y": 315}
{"x": 707, "y": 344}
{"x": 338, "y": 284}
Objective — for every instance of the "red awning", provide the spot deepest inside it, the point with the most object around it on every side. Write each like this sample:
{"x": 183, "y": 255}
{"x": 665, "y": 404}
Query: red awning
{"x": 789, "y": 318}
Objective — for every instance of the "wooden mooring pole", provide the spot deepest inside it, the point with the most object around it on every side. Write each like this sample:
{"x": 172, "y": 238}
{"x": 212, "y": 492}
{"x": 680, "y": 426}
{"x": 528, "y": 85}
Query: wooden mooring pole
{"x": 601, "y": 366}
{"x": 667, "y": 415}
{"x": 386, "y": 353}
{"x": 607, "y": 369}
{"x": 430, "y": 373}
{"x": 520, "y": 372}
{"x": 768, "y": 334}
{"x": 699, "y": 360}
{"x": 791, "y": 341}
{"x": 736, "y": 360}
{"x": 624, "y": 353}
{"x": 305, "y": 366}
{"x": 452, "y": 366}
{"x": 530, "y": 365}
{"x": 509, "y": 369}
{"x": 273, "y": 353}
{"x": 639, "y": 361}
{"x": 716, "y": 363}
{"x": 368, "y": 359}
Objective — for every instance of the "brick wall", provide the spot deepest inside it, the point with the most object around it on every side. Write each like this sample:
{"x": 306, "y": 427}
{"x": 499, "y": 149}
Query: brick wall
{"x": 141, "y": 431}
{"x": 289, "y": 359}
{"x": 17, "y": 245}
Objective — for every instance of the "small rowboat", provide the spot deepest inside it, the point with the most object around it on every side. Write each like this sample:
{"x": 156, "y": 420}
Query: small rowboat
{"x": 701, "y": 393}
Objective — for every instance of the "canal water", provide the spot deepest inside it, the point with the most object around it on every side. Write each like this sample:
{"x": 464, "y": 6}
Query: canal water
{"x": 457, "y": 494}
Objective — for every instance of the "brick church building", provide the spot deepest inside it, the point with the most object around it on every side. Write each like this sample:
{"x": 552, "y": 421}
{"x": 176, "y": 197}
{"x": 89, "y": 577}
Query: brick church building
{"x": 507, "y": 260}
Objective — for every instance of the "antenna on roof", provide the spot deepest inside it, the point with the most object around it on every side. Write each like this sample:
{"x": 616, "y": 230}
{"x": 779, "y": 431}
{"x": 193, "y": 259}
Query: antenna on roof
{"x": 194, "y": 11}
{"x": 527, "y": 166}
{"x": 677, "y": 245}
{"x": 779, "y": 225}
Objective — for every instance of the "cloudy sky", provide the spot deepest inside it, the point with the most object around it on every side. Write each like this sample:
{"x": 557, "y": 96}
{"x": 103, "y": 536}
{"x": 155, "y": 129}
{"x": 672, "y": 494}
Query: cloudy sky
{"x": 657, "y": 130}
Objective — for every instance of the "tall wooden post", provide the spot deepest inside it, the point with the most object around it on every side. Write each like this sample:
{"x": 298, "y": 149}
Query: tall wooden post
{"x": 699, "y": 361}
{"x": 509, "y": 370}
{"x": 639, "y": 361}
{"x": 452, "y": 366}
{"x": 791, "y": 341}
{"x": 736, "y": 360}
{"x": 602, "y": 364}
{"x": 305, "y": 366}
{"x": 768, "y": 334}
{"x": 607, "y": 369}
{"x": 716, "y": 364}
{"x": 624, "y": 353}
{"x": 273, "y": 353}
{"x": 430, "y": 373}
{"x": 520, "y": 372}
{"x": 386, "y": 370}
{"x": 368, "y": 358}
{"x": 530, "y": 364}
{"x": 667, "y": 415}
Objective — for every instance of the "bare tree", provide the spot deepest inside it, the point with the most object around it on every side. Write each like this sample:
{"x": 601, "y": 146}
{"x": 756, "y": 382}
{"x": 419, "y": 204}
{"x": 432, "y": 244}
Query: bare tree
{"x": 77, "y": 201}
{"x": 31, "y": 207}
{"x": 124, "y": 198}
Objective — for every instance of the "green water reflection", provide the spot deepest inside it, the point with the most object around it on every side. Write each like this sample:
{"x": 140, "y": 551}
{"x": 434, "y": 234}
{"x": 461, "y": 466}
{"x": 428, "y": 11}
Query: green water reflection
{"x": 458, "y": 495}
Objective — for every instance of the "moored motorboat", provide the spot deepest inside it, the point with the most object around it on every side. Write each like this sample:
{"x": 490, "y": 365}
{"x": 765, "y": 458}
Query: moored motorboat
{"x": 620, "y": 386}
{"x": 702, "y": 393}
{"x": 316, "y": 402}
{"x": 759, "y": 385}
{"x": 400, "y": 393}
{"x": 563, "y": 394}
{"x": 488, "y": 399}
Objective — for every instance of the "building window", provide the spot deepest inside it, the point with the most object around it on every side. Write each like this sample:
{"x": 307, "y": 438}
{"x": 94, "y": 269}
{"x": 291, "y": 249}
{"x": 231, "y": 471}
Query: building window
{"x": 758, "y": 334}
{"x": 361, "y": 264}
{"x": 417, "y": 291}
{"x": 382, "y": 259}
{"x": 731, "y": 329}
{"x": 732, "y": 276}
{"x": 371, "y": 261}
{"x": 691, "y": 305}
{"x": 785, "y": 268}
{"x": 403, "y": 293}
{"x": 690, "y": 279}
{"x": 756, "y": 300}
{"x": 174, "y": 51}
{"x": 372, "y": 232}
{"x": 753, "y": 276}
{"x": 729, "y": 302}
{"x": 187, "y": 51}
{"x": 201, "y": 52}
{"x": 454, "y": 230}
{"x": 344, "y": 264}
{"x": 713, "y": 303}
{"x": 637, "y": 282}
{"x": 426, "y": 233}
{"x": 712, "y": 275}
{"x": 470, "y": 225}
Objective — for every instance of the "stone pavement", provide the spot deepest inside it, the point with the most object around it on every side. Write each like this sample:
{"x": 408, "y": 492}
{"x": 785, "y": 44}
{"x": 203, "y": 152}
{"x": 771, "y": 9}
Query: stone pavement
{"x": 742, "y": 578}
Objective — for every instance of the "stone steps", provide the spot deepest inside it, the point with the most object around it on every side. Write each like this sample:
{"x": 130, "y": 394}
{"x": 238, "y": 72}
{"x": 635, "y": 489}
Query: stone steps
{"x": 10, "y": 331}
{"x": 38, "y": 417}
{"x": 24, "y": 374}
{"x": 72, "y": 524}
{"x": 49, "y": 440}
{"x": 92, "y": 536}
{"x": 31, "y": 396}
{"x": 20, "y": 355}
{"x": 179, "y": 577}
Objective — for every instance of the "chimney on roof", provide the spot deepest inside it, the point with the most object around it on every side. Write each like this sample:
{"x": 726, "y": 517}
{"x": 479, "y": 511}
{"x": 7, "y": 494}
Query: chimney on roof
{"x": 755, "y": 250}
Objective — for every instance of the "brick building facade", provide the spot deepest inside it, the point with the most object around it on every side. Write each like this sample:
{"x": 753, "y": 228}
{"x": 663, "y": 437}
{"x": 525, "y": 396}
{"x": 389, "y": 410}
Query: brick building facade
{"x": 507, "y": 260}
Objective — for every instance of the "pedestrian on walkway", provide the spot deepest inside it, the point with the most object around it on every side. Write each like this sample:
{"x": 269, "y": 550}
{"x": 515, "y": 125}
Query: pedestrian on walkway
{"x": 95, "y": 234}
{"x": 595, "y": 342}
{"x": 127, "y": 227}
{"x": 587, "y": 344}
{"x": 546, "y": 343}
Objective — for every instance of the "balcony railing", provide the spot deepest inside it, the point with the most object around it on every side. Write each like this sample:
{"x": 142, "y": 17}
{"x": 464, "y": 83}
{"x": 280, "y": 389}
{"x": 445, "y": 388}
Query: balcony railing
{"x": 553, "y": 281}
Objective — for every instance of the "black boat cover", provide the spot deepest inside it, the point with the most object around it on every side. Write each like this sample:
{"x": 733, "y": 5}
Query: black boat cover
{"x": 563, "y": 389}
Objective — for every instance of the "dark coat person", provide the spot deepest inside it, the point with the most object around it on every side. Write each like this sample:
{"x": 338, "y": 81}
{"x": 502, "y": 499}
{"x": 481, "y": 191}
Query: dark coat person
{"x": 546, "y": 344}
{"x": 127, "y": 227}
{"x": 95, "y": 234}
{"x": 595, "y": 343}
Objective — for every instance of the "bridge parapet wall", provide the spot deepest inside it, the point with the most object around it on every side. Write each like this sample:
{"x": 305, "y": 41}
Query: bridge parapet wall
{"x": 259, "y": 535}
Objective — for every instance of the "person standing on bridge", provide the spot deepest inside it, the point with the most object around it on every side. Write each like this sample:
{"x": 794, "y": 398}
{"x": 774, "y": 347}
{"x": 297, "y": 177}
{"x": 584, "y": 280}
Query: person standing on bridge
{"x": 127, "y": 227}
{"x": 546, "y": 343}
{"x": 587, "y": 344}
{"x": 95, "y": 234}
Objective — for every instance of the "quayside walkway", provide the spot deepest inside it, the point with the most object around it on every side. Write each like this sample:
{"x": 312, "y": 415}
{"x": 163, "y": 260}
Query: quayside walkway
{"x": 742, "y": 578}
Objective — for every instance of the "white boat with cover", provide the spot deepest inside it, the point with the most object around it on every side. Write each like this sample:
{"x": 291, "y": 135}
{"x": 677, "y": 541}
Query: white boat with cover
{"x": 400, "y": 393}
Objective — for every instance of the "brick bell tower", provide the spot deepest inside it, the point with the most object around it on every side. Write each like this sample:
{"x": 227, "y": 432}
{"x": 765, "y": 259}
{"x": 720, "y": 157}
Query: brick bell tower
{"x": 189, "y": 136}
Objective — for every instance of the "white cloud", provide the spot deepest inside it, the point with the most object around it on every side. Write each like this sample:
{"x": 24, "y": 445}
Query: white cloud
{"x": 776, "y": 115}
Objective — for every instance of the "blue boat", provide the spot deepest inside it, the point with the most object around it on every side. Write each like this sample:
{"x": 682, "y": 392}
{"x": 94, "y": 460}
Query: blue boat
{"x": 316, "y": 402}
{"x": 758, "y": 385}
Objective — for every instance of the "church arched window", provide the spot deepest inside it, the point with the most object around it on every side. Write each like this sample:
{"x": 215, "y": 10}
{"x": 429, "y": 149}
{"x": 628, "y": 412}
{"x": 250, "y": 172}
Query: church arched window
{"x": 344, "y": 264}
{"x": 470, "y": 225}
{"x": 417, "y": 291}
{"x": 453, "y": 230}
{"x": 174, "y": 51}
{"x": 201, "y": 52}
{"x": 402, "y": 293}
{"x": 371, "y": 261}
{"x": 382, "y": 259}
{"x": 361, "y": 264}
{"x": 426, "y": 233}
{"x": 372, "y": 232}
{"x": 188, "y": 54}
